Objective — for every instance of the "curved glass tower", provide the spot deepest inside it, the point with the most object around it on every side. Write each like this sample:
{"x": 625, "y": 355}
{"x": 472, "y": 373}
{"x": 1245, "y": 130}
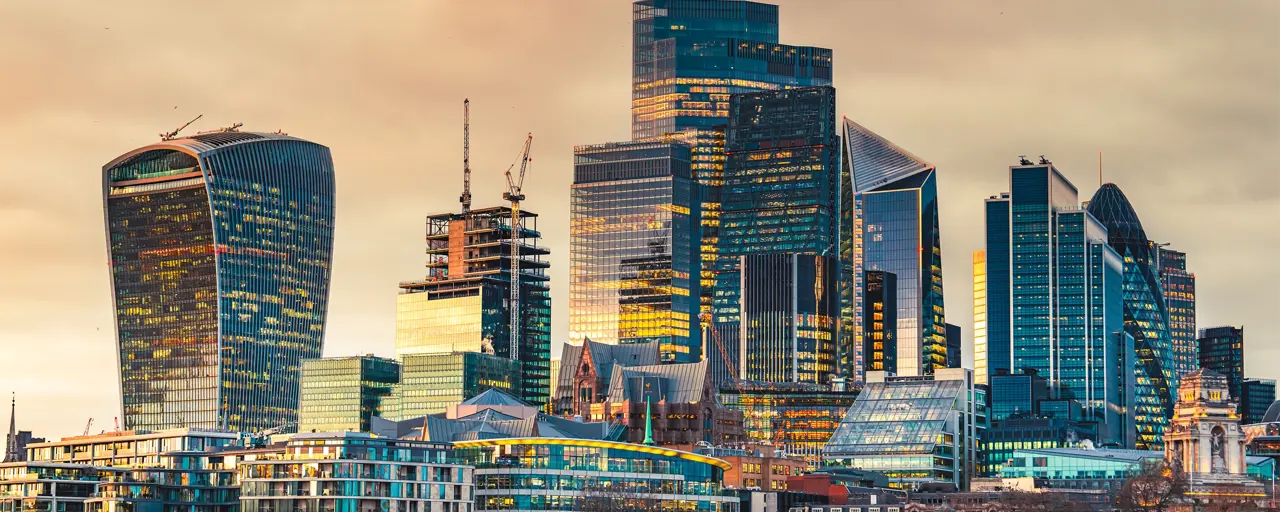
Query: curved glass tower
{"x": 220, "y": 247}
{"x": 1146, "y": 316}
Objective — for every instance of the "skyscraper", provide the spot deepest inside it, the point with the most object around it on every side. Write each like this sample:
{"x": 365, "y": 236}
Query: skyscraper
{"x": 980, "y": 317}
{"x": 1256, "y": 396}
{"x": 633, "y": 271}
{"x": 688, "y": 57}
{"x": 1146, "y": 316}
{"x": 880, "y": 320}
{"x": 789, "y": 307}
{"x": 955, "y": 354}
{"x": 1053, "y": 295}
{"x": 1222, "y": 350}
{"x": 1180, "y": 299}
{"x": 220, "y": 247}
{"x": 892, "y": 214}
{"x": 780, "y": 189}
{"x": 464, "y": 303}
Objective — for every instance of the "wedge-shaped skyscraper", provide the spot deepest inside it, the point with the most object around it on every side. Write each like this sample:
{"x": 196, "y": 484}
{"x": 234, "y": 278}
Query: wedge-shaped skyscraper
{"x": 220, "y": 248}
{"x": 889, "y": 224}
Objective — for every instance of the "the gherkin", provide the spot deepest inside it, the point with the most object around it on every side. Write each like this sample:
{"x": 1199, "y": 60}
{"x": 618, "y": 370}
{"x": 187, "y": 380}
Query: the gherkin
{"x": 1146, "y": 316}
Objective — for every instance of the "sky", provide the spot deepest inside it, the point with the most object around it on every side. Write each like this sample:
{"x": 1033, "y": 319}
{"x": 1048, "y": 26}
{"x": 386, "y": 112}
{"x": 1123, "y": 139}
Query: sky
{"x": 1181, "y": 97}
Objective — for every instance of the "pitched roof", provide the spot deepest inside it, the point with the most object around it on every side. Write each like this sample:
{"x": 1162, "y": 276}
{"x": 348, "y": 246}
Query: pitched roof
{"x": 679, "y": 383}
{"x": 494, "y": 396}
{"x": 490, "y": 424}
{"x": 604, "y": 356}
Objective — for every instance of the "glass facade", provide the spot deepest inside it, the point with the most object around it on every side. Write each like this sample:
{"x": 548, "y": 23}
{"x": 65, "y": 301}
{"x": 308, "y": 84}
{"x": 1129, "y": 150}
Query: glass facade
{"x": 1146, "y": 316}
{"x": 430, "y": 383}
{"x": 780, "y": 189}
{"x": 1256, "y": 396}
{"x": 353, "y": 472}
{"x": 880, "y": 320}
{"x": 1054, "y": 300}
{"x": 1180, "y": 299}
{"x": 1017, "y": 395}
{"x": 578, "y": 474}
{"x": 1100, "y": 469}
{"x": 689, "y": 56}
{"x": 893, "y": 212}
{"x": 799, "y": 418}
{"x": 464, "y": 303}
{"x": 634, "y": 262}
{"x": 1222, "y": 350}
{"x": 955, "y": 355}
{"x": 980, "y": 355}
{"x": 916, "y": 430}
{"x": 343, "y": 393}
{"x": 789, "y": 307}
{"x": 220, "y": 249}
{"x": 1004, "y": 438}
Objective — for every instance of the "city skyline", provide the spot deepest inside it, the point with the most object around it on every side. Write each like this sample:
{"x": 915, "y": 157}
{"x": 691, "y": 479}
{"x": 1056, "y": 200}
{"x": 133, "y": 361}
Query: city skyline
{"x": 346, "y": 89}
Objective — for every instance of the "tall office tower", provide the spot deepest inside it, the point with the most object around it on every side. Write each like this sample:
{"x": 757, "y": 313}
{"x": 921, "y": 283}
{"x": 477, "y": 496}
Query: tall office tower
{"x": 892, "y": 215}
{"x": 633, "y": 271}
{"x": 980, "y": 317}
{"x": 220, "y": 245}
{"x": 1054, "y": 302}
{"x": 955, "y": 354}
{"x": 1256, "y": 396}
{"x": 880, "y": 320}
{"x": 1180, "y": 299}
{"x": 688, "y": 57}
{"x": 464, "y": 303}
{"x": 1222, "y": 350}
{"x": 789, "y": 310}
{"x": 780, "y": 189}
{"x": 1146, "y": 317}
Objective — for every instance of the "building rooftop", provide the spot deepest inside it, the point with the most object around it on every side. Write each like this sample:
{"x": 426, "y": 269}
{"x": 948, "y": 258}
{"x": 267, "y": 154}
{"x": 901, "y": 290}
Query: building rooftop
{"x": 677, "y": 383}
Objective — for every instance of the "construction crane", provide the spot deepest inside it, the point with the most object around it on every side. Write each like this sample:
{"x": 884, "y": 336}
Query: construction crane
{"x": 88, "y": 426}
{"x": 174, "y": 134}
{"x": 748, "y": 406}
{"x": 515, "y": 194}
{"x": 465, "y": 198}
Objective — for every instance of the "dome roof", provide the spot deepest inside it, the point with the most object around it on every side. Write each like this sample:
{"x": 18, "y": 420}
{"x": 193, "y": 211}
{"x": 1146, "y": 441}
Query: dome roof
{"x": 1273, "y": 413}
{"x": 1110, "y": 206}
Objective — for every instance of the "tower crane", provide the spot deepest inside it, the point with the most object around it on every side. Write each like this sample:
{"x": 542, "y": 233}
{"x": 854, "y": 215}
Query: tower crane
{"x": 88, "y": 426}
{"x": 515, "y": 194}
{"x": 465, "y": 198}
{"x": 174, "y": 134}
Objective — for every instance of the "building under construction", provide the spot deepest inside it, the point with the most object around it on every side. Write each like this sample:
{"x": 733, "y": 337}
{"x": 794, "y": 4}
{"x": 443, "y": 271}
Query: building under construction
{"x": 464, "y": 304}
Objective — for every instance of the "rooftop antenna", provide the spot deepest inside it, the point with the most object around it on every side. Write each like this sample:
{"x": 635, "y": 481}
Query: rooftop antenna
{"x": 1099, "y": 169}
{"x": 233, "y": 128}
{"x": 1022, "y": 160}
{"x": 1044, "y": 160}
{"x": 465, "y": 199}
{"x": 174, "y": 134}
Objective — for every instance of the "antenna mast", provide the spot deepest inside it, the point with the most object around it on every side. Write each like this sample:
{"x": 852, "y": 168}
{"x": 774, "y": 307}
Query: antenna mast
{"x": 1099, "y": 169}
{"x": 465, "y": 199}
{"x": 174, "y": 134}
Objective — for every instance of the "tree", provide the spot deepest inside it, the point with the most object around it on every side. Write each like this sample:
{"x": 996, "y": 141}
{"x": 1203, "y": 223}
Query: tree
{"x": 1156, "y": 488}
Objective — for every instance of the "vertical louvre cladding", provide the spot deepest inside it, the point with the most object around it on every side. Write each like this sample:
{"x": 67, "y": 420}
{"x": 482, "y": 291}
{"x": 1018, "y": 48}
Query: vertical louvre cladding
{"x": 165, "y": 290}
{"x": 231, "y": 263}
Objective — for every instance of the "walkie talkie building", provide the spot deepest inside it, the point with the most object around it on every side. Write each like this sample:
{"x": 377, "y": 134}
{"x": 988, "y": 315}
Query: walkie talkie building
{"x": 220, "y": 248}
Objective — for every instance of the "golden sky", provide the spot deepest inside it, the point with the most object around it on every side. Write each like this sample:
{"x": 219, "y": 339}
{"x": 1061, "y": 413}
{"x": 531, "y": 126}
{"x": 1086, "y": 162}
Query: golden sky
{"x": 1182, "y": 97}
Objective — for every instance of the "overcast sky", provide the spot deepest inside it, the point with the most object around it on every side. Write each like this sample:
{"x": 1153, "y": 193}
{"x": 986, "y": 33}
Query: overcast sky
{"x": 1182, "y": 98}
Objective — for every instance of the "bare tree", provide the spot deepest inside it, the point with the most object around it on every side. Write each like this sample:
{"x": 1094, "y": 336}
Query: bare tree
{"x": 1156, "y": 488}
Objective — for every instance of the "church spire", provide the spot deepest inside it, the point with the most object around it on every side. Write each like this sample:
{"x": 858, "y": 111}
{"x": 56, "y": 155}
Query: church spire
{"x": 11, "y": 442}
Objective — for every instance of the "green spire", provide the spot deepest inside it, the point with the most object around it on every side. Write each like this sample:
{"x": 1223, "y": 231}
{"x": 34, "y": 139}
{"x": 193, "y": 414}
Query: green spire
{"x": 648, "y": 422}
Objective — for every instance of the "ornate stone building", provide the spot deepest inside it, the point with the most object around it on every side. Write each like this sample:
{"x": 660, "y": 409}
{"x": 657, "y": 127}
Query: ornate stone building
{"x": 1206, "y": 443}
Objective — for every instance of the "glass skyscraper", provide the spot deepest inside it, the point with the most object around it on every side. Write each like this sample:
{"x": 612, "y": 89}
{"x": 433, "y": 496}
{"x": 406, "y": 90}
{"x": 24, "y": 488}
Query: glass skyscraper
{"x": 1180, "y": 299}
{"x": 1054, "y": 299}
{"x": 891, "y": 209}
{"x": 1222, "y": 350}
{"x": 789, "y": 307}
{"x": 780, "y": 190}
{"x": 633, "y": 271}
{"x": 1146, "y": 316}
{"x": 464, "y": 303}
{"x": 220, "y": 245}
{"x": 688, "y": 57}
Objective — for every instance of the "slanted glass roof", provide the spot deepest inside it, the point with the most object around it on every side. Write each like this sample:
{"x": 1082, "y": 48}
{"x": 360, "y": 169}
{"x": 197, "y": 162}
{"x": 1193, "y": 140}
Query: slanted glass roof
{"x": 898, "y": 418}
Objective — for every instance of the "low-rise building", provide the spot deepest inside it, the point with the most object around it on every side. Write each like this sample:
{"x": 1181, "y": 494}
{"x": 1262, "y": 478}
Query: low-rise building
{"x": 918, "y": 431}
{"x": 51, "y": 486}
{"x": 798, "y": 417}
{"x": 579, "y": 474}
{"x": 352, "y": 472}
{"x": 760, "y": 467}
